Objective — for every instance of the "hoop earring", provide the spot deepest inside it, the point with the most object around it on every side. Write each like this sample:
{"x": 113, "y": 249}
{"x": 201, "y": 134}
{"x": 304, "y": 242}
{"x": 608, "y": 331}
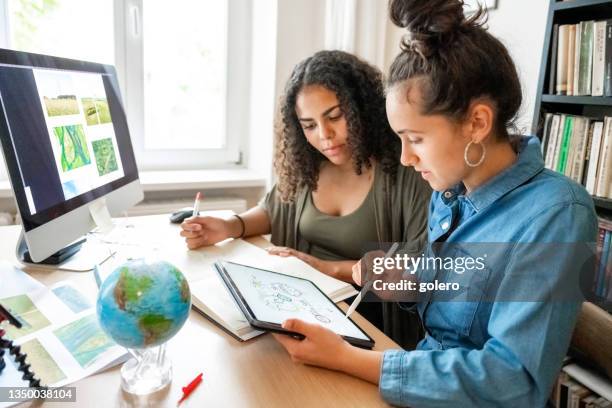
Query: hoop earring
{"x": 482, "y": 157}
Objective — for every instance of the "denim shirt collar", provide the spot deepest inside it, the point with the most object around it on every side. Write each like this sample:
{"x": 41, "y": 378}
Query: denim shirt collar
{"x": 528, "y": 164}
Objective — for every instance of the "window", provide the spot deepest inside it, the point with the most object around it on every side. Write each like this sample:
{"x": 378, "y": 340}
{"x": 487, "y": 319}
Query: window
{"x": 183, "y": 67}
{"x": 69, "y": 28}
{"x": 184, "y": 74}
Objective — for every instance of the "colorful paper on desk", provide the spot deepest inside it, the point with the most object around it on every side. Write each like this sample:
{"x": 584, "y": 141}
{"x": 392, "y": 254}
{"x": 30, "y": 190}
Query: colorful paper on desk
{"x": 61, "y": 334}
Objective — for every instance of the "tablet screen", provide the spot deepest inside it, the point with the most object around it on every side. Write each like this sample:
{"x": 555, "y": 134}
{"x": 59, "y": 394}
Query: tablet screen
{"x": 274, "y": 298}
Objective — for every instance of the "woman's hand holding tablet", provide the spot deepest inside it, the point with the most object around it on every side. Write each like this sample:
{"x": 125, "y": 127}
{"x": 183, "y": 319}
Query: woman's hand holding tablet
{"x": 268, "y": 299}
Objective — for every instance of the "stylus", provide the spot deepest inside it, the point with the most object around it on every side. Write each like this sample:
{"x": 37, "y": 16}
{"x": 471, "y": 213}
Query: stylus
{"x": 196, "y": 205}
{"x": 368, "y": 285}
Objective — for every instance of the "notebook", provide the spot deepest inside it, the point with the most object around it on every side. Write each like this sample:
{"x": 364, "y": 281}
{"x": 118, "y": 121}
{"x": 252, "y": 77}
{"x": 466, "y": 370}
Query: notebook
{"x": 211, "y": 298}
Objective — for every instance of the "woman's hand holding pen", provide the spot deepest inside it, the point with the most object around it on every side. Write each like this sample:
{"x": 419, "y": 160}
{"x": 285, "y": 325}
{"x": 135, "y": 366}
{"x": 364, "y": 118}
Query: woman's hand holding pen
{"x": 202, "y": 231}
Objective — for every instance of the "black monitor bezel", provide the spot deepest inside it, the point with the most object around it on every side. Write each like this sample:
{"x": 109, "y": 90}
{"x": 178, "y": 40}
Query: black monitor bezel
{"x": 25, "y": 59}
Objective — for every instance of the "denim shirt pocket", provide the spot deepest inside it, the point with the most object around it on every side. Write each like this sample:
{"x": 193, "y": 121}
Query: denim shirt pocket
{"x": 454, "y": 311}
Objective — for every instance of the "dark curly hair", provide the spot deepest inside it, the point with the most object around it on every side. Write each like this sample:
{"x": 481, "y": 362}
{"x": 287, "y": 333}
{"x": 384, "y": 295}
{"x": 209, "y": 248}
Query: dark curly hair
{"x": 360, "y": 91}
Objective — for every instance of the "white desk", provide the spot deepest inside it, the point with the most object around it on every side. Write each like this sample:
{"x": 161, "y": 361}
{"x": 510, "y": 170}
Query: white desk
{"x": 250, "y": 374}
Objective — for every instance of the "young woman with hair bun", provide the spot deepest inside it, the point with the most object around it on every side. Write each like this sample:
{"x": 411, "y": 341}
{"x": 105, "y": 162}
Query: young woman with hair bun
{"x": 453, "y": 95}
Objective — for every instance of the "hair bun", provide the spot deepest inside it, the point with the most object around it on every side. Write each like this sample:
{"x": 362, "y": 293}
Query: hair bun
{"x": 430, "y": 23}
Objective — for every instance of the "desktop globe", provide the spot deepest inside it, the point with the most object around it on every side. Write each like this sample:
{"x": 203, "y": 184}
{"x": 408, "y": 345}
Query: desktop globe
{"x": 141, "y": 305}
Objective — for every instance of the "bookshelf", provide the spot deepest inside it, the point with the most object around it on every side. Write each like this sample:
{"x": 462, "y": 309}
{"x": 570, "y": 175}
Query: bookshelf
{"x": 596, "y": 107}
{"x": 594, "y": 329}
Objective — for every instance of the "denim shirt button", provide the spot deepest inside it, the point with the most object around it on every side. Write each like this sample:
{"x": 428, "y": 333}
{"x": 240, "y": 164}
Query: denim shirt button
{"x": 448, "y": 194}
{"x": 445, "y": 225}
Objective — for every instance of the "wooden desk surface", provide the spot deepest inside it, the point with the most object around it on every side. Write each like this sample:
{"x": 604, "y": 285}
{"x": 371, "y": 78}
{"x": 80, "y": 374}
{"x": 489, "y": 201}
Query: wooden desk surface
{"x": 255, "y": 373}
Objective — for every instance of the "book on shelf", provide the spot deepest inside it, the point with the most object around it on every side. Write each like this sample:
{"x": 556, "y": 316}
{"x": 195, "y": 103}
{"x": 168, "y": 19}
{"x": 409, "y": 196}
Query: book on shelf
{"x": 575, "y": 56}
{"x": 553, "y": 61}
{"x": 605, "y": 166}
{"x": 599, "y": 54}
{"x": 581, "y": 59}
{"x": 573, "y": 63}
{"x": 608, "y": 60}
{"x": 602, "y": 281}
{"x": 593, "y": 154}
{"x": 562, "y": 62}
{"x": 580, "y": 147}
{"x": 585, "y": 58}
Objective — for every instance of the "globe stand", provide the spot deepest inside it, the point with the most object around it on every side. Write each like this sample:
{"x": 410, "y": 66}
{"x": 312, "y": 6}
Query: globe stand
{"x": 148, "y": 371}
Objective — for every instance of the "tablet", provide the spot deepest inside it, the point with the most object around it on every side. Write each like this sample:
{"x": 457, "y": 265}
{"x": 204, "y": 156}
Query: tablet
{"x": 269, "y": 298}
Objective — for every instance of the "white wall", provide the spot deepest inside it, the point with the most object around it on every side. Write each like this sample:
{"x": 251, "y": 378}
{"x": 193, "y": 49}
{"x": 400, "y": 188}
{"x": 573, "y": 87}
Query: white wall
{"x": 298, "y": 28}
{"x": 520, "y": 25}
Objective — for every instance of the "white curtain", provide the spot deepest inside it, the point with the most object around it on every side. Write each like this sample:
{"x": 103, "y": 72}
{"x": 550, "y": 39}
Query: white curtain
{"x": 359, "y": 27}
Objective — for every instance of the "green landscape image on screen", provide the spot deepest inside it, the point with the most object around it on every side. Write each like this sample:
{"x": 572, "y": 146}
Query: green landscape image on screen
{"x": 42, "y": 363}
{"x": 105, "y": 156}
{"x": 96, "y": 111}
{"x": 61, "y": 105}
{"x": 74, "y": 151}
{"x": 84, "y": 339}
{"x": 28, "y": 314}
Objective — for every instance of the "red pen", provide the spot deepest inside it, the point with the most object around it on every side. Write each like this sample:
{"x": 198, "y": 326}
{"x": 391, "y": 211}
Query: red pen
{"x": 189, "y": 388}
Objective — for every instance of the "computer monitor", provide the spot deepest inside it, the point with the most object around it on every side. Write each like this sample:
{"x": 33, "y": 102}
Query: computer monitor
{"x": 66, "y": 145}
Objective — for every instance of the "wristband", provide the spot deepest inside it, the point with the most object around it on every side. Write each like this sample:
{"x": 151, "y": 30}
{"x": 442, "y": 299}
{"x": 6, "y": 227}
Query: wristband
{"x": 241, "y": 223}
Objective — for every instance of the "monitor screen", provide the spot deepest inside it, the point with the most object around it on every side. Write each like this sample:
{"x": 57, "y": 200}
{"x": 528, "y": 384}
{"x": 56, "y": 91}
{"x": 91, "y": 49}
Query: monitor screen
{"x": 64, "y": 134}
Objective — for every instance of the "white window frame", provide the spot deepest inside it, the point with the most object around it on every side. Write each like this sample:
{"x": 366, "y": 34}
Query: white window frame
{"x": 129, "y": 63}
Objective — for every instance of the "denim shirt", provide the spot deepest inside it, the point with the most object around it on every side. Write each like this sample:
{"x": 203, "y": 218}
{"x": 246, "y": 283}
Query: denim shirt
{"x": 508, "y": 353}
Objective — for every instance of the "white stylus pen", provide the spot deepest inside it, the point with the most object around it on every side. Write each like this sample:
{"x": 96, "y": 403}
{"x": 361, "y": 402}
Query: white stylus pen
{"x": 196, "y": 205}
{"x": 368, "y": 285}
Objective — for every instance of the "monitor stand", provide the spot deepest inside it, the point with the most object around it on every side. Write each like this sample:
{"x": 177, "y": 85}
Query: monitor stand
{"x": 56, "y": 259}
{"x": 80, "y": 256}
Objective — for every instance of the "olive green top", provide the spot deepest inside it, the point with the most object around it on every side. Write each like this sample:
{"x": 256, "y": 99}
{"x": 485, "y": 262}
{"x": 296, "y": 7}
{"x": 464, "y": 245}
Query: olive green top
{"x": 400, "y": 214}
{"x": 338, "y": 238}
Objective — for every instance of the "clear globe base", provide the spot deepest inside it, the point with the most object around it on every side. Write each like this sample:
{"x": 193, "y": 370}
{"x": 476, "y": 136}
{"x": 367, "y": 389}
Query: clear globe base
{"x": 148, "y": 371}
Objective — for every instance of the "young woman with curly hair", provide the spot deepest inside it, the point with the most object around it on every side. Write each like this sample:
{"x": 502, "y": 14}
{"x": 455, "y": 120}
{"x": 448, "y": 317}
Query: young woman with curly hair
{"x": 340, "y": 184}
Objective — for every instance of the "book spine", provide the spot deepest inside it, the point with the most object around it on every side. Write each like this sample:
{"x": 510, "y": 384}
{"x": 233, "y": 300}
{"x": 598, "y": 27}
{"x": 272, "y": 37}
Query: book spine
{"x": 582, "y": 136}
{"x": 591, "y": 183}
{"x": 604, "y": 160}
{"x": 567, "y": 132}
{"x": 559, "y": 142}
{"x": 553, "y": 59}
{"x": 608, "y": 274}
{"x": 577, "y": 52}
{"x": 561, "y": 87}
{"x": 553, "y": 142}
{"x": 572, "y": 147}
{"x": 571, "y": 58}
{"x": 599, "y": 53}
{"x": 546, "y": 132}
{"x": 601, "y": 272}
{"x": 586, "y": 57}
{"x": 587, "y": 154}
{"x": 608, "y": 59}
